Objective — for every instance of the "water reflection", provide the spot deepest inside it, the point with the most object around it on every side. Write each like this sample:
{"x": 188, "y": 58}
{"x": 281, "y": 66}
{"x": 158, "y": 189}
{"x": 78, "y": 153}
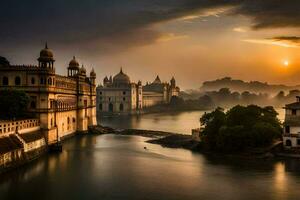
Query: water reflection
{"x": 118, "y": 167}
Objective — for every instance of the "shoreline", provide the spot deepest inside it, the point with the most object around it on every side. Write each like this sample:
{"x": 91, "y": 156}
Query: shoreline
{"x": 176, "y": 141}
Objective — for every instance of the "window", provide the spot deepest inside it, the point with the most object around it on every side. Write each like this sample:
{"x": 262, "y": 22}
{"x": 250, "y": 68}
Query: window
{"x": 33, "y": 105}
{"x": 124, "y": 98}
{"x": 298, "y": 141}
{"x": 42, "y": 81}
{"x": 5, "y": 81}
{"x": 288, "y": 143}
{"x": 294, "y": 111}
{"x": 32, "y": 81}
{"x": 17, "y": 80}
{"x": 49, "y": 81}
{"x": 100, "y": 93}
{"x": 124, "y": 92}
{"x": 287, "y": 129}
{"x": 121, "y": 107}
{"x": 100, "y": 106}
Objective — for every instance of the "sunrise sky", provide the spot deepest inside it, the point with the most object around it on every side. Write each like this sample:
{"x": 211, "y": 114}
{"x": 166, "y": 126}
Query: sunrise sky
{"x": 193, "y": 40}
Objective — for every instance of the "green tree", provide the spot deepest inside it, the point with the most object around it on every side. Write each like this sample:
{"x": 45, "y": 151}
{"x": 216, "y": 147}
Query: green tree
{"x": 240, "y": 128}
{"x": 212, "y": 122}
{"x": 13, "y": 104}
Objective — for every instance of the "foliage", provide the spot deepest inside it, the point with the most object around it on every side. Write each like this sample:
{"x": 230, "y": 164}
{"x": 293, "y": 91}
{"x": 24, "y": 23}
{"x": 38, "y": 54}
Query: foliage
{"x": 240, "y": 128}
{"x": 13, "y": 104}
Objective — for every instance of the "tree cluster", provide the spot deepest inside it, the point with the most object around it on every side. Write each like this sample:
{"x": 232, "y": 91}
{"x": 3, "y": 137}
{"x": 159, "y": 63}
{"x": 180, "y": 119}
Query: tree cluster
{"x": 13, "y": 104}
{"x": 240, "y": 128}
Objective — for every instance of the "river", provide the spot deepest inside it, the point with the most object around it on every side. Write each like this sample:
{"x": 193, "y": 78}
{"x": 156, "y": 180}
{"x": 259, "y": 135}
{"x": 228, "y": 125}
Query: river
{"x": 112, "y": 167}
{"x": 181, "y": 122}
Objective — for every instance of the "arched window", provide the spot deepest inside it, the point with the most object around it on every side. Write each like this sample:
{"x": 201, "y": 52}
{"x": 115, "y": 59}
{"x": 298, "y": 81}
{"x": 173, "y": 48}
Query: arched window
{"x": 33, "y": 105}
{"x": 42, "y": 81}
{"x": 111, "y": 107}
{"x": 288, "y": 143}
{"x": 17, "y": 80}
{"x": 68, "y": 120}
{"x": 49, "y": 81}
{"x": 32, "y": 81}
{"x": 100, "y": 106}
{"x": 5, "y": 81}
{"x": 121, "y": 107}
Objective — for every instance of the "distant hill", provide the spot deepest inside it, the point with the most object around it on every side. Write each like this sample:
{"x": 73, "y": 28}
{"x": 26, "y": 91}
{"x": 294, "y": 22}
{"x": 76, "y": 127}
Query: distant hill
{"x": 241, "y": 86}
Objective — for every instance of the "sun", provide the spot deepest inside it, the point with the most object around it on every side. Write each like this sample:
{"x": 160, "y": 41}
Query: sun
{"x": 286, "y": 63}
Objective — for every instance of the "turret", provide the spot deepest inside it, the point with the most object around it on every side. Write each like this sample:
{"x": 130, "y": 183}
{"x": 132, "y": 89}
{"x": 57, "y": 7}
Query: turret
{"x": 93, "y": 76}
{"x": 105, "y": 81}
{"x": 46, "y": 59}
{"x": 173, "y": 82}
{"x": 73, "y": 68}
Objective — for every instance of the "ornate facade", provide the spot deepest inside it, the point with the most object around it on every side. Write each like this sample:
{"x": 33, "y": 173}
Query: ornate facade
{"x": 63, "y": 105}
{"x": 120, "y": 95}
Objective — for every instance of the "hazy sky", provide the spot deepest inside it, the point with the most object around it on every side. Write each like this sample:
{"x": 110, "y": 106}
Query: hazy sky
{"x": 193, "y": 40}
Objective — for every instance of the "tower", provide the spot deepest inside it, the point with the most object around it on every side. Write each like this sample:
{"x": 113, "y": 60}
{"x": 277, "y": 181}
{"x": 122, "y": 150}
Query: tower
{"x": 173, "y": 82}
{"x": 93, "y": 77}
{"x": 46, "y": 59}
{"x": 73, "y": 68}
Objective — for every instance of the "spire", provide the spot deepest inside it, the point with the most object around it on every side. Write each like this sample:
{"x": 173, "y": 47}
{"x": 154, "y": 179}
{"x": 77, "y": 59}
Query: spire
{"x": 157, "y": 80}
{"x": 46, "y": 45}
{"x": 74, "y": 58}
{"x": 121, "y": 70}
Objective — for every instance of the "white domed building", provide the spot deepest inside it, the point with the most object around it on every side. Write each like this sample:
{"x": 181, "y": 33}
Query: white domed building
{"x": 120, "y": 95}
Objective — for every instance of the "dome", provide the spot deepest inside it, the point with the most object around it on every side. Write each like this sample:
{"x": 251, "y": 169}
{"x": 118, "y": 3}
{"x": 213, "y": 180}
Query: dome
{"x": 73, "y": 64}
{"x": 46, "y": 54}
{"x": 82, "y": 69}
{"x": 3, "y": 61}
{"x": 93, "y": 74}
{"x": 121, "y": 78}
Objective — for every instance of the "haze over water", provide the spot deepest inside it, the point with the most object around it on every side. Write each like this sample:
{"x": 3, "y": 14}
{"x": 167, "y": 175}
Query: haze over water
{"x": 181, "y": 122}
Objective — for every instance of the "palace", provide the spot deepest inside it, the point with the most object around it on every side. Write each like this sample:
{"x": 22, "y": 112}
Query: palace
{"x": 61, "y": 105}
{"x": 120, "y": 95}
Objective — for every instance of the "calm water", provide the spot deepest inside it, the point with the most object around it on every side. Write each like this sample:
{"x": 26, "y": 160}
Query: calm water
{"x": 171, "y": 122}
{"x": 117, "y": 167}
{"x": 113, "y": 167}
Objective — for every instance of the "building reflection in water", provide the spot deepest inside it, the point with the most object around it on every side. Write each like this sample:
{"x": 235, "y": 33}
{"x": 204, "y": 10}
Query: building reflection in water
{"x": 280, "y": 179}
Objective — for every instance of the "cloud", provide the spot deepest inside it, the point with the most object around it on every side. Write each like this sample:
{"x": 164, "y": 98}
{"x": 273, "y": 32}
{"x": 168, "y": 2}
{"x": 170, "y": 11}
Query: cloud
{"x": 114, "y": 25}
{"x": 240, "y": 29}
{"x": 293, "y": 39}
{"x": 170, "y": 36}
{"x": 273, "y": 42}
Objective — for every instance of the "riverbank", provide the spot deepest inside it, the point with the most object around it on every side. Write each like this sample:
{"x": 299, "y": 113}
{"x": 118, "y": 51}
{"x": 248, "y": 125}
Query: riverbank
{"x": 175, "y": 140}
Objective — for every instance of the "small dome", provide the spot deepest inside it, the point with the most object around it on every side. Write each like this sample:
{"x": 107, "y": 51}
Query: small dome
{"x": 3, "y": 61}
{"x": 46, "y": 54}
{"x": 121, "y": 78}
{"x": 105, "y": 79}
{"x": 93, "y": 73}
{"x": 82, "y": 70}
{"x": 73, "y": 64}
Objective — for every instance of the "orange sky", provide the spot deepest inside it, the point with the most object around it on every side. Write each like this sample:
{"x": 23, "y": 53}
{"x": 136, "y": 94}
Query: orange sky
{"x": 194, "y": 41}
